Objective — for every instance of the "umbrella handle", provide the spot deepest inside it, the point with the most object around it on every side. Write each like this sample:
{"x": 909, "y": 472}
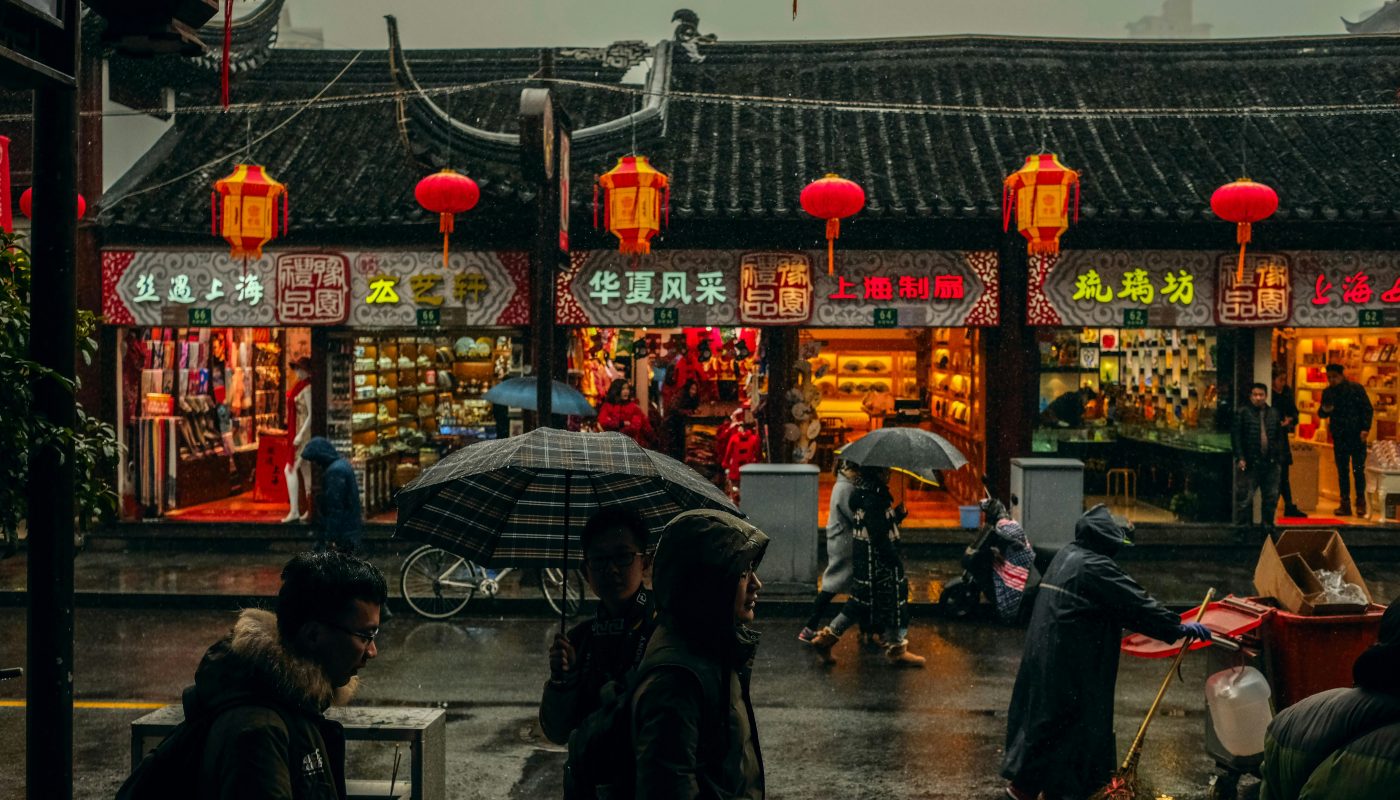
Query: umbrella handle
{"x": 1161, "y": 692}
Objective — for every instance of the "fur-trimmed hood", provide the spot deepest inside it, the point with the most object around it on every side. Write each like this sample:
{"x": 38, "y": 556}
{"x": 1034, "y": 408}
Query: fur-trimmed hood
{"x": 252, "y": 661}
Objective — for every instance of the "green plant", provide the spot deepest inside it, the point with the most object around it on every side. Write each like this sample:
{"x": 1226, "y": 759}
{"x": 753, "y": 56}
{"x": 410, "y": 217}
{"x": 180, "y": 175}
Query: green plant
{"x": 92, "y": 442}
{"x": 1186, "y": 505}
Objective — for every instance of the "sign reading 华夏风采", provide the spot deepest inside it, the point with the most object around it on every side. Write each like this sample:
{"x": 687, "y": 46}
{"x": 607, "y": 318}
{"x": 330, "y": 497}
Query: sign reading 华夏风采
{"x": 737, "y": 287}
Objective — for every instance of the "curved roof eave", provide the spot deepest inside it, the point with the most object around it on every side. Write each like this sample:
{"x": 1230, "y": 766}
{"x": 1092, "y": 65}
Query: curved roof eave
{"x": 418, "y": 107}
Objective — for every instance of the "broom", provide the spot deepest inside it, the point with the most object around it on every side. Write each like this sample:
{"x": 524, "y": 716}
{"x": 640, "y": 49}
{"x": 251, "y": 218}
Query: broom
{"x": 1125, "y": 785}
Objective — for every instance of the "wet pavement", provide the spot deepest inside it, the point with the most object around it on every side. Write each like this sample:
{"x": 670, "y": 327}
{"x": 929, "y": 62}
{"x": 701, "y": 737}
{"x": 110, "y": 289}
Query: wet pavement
{"x": 202, "y": 578}
{"x": 858, "y": 730}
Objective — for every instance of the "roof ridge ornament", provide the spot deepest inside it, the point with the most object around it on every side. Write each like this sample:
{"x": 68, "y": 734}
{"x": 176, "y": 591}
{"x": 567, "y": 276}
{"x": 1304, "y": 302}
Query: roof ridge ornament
{"x": 688, "y": 34}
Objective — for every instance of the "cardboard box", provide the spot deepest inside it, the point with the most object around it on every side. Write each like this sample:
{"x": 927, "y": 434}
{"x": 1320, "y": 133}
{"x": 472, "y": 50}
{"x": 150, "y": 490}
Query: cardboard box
{"x": 1285, "y": 571}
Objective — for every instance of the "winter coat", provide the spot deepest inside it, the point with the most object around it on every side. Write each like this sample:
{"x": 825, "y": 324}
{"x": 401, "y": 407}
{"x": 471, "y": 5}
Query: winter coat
{"x": 1059, "y": 733}
{"x": 1351, "y": 410}
{"x": 837, "y": 577}
{"x": 1341, "y": 744}
{"x": 684, "y": 749}
{"x": 277, "y": 745}
{"x": 1244, "y": 436}
{"x": 740, "y": 449}
{"x": 1287, "y": 409}
{"x": 626, "y": 418}
{"x": 338, "y": 511}
{"x": 879, "y": 589}
{"x": 605, "y": 649}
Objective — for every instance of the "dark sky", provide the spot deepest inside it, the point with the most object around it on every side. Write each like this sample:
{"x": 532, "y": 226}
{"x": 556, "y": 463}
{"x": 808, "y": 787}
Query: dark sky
{"x": 521, "y": 23}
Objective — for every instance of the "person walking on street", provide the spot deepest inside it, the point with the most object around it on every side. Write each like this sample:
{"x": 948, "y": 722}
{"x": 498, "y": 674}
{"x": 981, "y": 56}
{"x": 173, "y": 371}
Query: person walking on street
{"x": 1347, "y": 409}
{"x": 837, "y": 577}
{"x": 1259, "y": 444}
{"x": 601, "y": 650}
{"x": 1288, "y": 417}
{"x": 1342, "y": 744}
{"x": 694, "y": 734}
{"x": 1059, "y": 729}
{"x": 269, "y": 682}
{"x": 339, "y": 515}
{"x": 879, "y": 589}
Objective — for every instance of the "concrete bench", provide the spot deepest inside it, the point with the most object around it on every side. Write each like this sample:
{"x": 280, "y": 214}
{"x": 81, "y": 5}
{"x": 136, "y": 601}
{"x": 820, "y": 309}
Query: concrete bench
{"x": 424, "y": 729}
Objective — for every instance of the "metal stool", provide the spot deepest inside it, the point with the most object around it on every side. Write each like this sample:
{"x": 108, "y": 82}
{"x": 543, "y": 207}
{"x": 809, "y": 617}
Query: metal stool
{"x": 1125, "y": 479}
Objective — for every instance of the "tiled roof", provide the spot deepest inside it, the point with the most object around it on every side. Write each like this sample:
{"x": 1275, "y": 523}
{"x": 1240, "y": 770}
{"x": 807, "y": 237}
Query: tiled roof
{"x": 744, "y": 162}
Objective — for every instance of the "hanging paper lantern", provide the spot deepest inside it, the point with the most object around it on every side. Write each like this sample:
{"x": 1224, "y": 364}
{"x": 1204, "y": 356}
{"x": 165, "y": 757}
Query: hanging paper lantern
{"x": 637, "y": 201}
{"x": 244, "y": 210}
{"x": 832, "y": 198}
{"x": 26, "y": 204}
{"x": 1039, "y": 191}
{"x": 447, "y": 193}
{"x": 1243, "y": 202}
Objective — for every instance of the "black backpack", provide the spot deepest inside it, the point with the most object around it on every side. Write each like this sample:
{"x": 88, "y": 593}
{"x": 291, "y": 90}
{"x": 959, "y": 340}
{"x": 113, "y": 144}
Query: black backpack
{"x": 602, "y": 763}
{"x": 171, "y": 769}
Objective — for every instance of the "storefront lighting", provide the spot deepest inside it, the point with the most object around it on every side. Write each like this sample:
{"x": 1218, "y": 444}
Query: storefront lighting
{"x": 1039, "y": 193}
{"x": 832, "y": 198}
{"x": 1243, "y": 202}
{"x": 447, "y": 193}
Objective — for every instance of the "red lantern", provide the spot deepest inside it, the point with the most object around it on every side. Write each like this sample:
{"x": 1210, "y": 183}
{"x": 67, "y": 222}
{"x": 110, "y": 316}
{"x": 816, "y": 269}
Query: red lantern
{"x": 1243, "y": 202}
{"x": 832, "y": 198}
{"x": 1039, "y": 191}
{"x": 26, "y": 204}
{"x": 446, "y": 194}
{"x": 636, "y": 202}
{"x": 244, "y": 210}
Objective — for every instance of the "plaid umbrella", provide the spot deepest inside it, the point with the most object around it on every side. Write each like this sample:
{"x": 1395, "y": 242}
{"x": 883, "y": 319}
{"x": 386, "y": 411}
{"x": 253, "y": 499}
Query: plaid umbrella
{"x": 509, "y": 502}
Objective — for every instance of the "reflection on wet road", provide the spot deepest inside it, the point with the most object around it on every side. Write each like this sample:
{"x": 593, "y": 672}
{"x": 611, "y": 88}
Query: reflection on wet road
{"x": 860, "y": 729}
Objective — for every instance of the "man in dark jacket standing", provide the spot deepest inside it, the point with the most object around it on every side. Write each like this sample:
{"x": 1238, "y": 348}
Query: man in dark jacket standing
{"x": 269, "y": 682}
{"x": 1342, "y": 744}
{"x": 1347, "y": 409}
{"x": 1259, "y": 444}
{"x": 1059, "y": 731}
{"x": 339, "y": 515}
{"x": 693, "y": 729}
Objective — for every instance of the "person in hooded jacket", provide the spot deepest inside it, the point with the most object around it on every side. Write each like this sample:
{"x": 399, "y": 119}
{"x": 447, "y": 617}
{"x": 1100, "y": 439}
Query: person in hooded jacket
{"x": 693, "y": 729}
{"x": 1342, "y": 744}
{"x": 339, "y": 515}
{"x": 269, "y": 682}
{"x": 1059, "y": 730}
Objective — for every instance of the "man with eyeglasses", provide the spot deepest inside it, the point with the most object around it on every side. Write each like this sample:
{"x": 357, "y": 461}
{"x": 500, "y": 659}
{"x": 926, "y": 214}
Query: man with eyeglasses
{"x": 603, "y": 649}
{"x": 266, "y": 686}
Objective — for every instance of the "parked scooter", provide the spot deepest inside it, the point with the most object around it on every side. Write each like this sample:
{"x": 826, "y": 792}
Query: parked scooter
{"x": 1001, "y": 565}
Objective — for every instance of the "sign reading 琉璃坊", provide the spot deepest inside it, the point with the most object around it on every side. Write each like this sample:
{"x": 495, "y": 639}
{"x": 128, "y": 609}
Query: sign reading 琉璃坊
{"x": 1096, "y": 287}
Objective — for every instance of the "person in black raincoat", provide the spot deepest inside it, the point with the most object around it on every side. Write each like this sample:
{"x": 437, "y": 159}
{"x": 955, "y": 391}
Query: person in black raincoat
{"x": 1059, "y": 732}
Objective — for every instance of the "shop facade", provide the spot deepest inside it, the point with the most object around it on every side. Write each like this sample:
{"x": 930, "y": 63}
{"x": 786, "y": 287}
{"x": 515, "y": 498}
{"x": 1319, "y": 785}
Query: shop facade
{"x": 401, "y": 354}
{"x": 1168, "y": 343}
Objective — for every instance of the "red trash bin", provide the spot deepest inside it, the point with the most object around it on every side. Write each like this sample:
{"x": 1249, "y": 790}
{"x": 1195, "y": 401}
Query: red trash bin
{"x": 1307, "y": 655}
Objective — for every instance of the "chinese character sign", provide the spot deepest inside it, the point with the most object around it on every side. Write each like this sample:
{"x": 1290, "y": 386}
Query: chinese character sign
{"x": 1096, "y": 287}
{"x": 775, "y": 289}
{"x": 1259, "y": 294}
{"x": 313, "y": 288}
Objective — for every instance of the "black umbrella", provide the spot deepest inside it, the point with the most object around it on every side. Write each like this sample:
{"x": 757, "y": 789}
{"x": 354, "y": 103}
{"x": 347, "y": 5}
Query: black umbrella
{"x": 511, "y": 502}
{"x": 523, "y": 393}
{"x": 910, "y": 450}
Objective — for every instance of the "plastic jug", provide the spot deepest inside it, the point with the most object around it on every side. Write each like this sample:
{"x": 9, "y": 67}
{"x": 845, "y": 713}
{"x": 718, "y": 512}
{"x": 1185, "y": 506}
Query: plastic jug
{"x": 1239, "y": 709}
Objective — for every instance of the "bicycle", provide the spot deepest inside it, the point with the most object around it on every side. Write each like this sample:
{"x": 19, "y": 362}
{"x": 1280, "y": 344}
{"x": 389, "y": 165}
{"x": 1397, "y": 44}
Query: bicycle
{"x": 437, "y": 584}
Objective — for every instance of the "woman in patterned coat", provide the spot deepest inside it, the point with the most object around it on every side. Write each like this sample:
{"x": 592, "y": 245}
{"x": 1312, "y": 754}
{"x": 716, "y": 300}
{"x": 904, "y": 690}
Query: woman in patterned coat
{"x": 879, "y": 590}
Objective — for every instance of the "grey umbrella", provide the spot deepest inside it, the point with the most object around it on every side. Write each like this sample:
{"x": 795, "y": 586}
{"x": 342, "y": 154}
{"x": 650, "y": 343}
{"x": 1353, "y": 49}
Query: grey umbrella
{"x": 909, "y": 450}
{"x": 520, "y": 393}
